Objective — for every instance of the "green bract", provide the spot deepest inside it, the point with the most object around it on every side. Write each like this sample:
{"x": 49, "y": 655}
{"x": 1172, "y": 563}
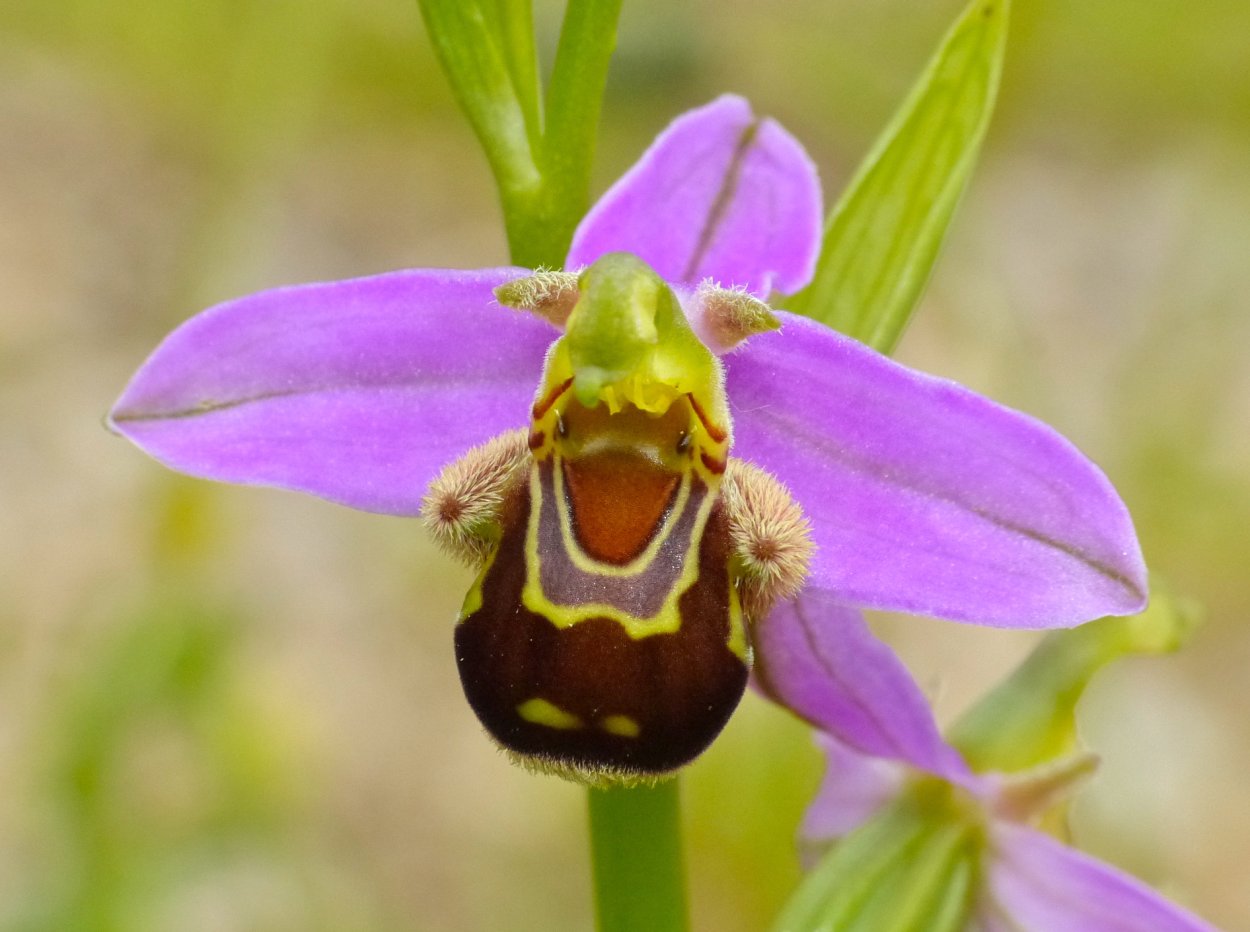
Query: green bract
{"x": 883, "y": 235}
{"x": 912, "y": 868}
{"x": 1030, "y": 719}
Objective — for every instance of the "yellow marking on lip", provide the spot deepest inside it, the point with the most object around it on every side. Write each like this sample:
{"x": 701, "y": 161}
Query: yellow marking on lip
{"x": 737, "y": 640}
{"x": 541, "y": 712}
{"x": 621, "y": 725}
{"x": 473, "y": 598}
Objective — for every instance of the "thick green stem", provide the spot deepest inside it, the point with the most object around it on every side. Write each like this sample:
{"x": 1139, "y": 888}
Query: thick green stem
{"x": 635, "y": 835}
{"x": 541, "y": 162}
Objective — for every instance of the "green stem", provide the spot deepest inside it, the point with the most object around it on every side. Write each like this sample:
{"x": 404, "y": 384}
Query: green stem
{"x": 635, "y": 836}
{"x": 541, "y": 163}
{"x": 541, "y": 214}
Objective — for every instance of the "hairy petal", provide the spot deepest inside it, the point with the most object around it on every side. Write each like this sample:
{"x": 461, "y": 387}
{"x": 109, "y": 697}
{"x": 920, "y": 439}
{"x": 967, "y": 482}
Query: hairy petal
{"x": 357, "y": 391}
{"x": 720, "y": 194}
{"x": 817, "y": 657}
{"x": 926, "y": 497}
{"x": 1034, "y": 882}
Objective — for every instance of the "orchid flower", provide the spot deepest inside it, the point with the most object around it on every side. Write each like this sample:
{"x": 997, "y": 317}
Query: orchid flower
{"x": 691, "y": 457}
{"x": 904, "y": 805}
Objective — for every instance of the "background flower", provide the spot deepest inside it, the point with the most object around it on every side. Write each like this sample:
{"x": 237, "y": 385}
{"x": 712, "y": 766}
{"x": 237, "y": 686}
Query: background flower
{"x": 898, "y": 803}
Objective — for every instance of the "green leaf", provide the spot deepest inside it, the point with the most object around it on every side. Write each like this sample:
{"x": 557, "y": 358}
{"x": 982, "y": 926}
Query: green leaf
{"x": 883, "y": 235}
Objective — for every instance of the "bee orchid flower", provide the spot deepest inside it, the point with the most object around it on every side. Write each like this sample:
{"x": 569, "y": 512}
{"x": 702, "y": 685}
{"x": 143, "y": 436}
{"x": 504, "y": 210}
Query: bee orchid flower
{"x": 690, "y": 458}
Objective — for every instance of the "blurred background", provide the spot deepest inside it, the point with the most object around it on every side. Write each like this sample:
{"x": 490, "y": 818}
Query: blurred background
{"x": 237, "y": 709}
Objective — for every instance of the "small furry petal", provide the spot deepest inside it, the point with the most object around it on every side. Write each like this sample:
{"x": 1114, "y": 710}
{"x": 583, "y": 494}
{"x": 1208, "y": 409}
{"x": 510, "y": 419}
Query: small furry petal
{"x": 548, "y": 294}
{"x": 725, "y": 317}
{"x": 461, "y": 506}
{"x": 771, "y": 537}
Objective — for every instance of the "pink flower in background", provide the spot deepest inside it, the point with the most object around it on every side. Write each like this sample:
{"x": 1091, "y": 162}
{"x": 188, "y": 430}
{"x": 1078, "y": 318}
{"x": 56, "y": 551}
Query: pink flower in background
{"x": 818, "y": 658}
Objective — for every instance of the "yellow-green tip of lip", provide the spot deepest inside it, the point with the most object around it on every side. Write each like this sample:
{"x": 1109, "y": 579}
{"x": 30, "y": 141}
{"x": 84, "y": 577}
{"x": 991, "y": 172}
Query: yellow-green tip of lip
{"x": 628, "y": 340}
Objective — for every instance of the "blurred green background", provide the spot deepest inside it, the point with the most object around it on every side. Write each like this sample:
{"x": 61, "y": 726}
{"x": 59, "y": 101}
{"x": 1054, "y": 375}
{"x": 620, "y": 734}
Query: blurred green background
{"x": 237, "y": 709}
